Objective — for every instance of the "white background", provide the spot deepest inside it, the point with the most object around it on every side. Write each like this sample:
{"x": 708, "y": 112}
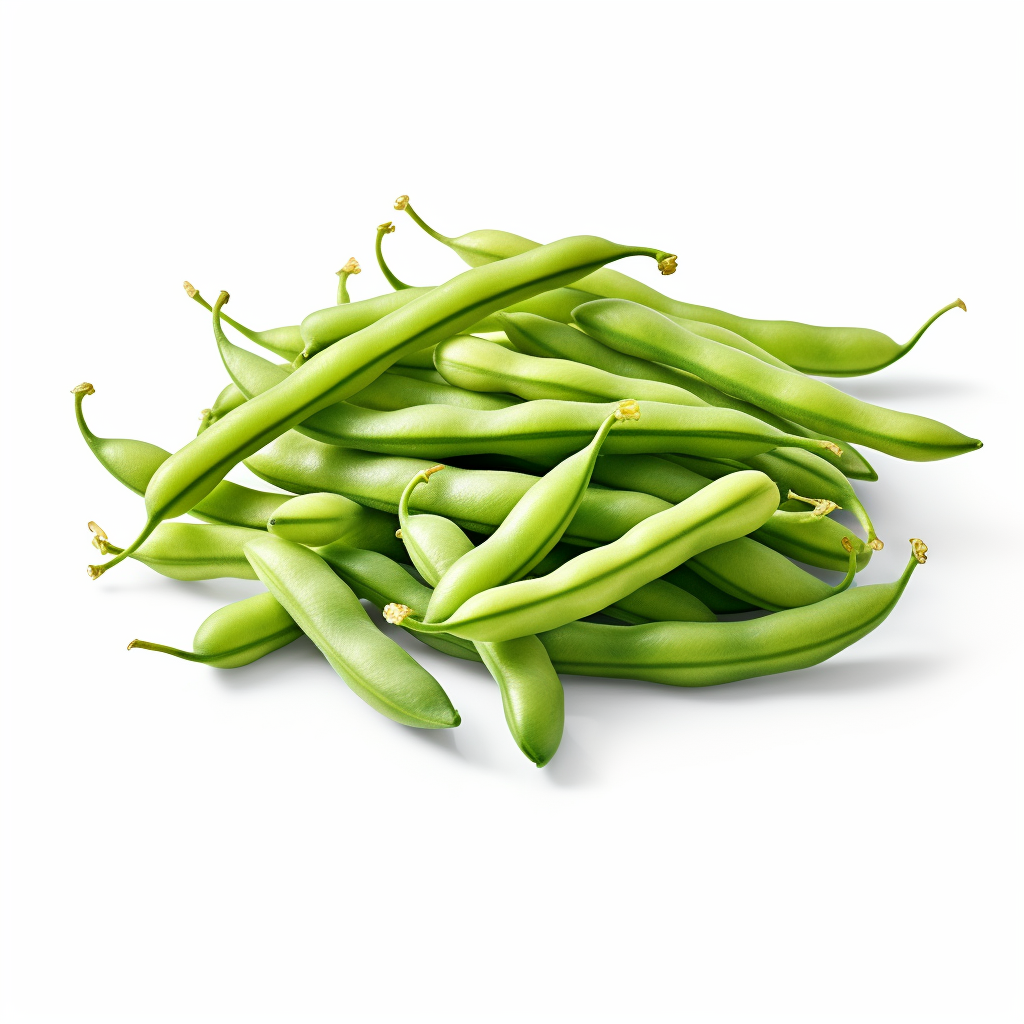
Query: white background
{"x": 259, "y": 847}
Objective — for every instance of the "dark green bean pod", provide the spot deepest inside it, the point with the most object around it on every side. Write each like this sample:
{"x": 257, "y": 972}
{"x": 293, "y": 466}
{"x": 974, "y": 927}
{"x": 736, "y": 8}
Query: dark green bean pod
{"x": 823, "y": 351}
{"x": 641, "y": 331}
{"x": 479, "y": 500}
{"x": 373, "y": 666}
{"x": 237, "y": 634}
{"x": 544, "y": 338}
{"x": 133, "y": 464}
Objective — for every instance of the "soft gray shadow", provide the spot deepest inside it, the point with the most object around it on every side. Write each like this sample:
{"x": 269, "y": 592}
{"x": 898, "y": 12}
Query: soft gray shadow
{"x": 286, "y": 665}
{"x": 570, "y": 768}
{"x": 884, "y": 391}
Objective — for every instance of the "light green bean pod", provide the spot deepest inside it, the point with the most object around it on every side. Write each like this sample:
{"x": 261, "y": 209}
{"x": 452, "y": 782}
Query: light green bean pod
{"x": 547, "y": 339}
{"x": 723, "y": 511}
{"x": 373, "y": 666}
{"x": 533, "y": 527}
{"x": 237, "y": 634}
{"x": 322, "y": 518}
{"x": 285, "y": 342}
{"x": 191, "y": 551}
{"x": 641, "y": 331}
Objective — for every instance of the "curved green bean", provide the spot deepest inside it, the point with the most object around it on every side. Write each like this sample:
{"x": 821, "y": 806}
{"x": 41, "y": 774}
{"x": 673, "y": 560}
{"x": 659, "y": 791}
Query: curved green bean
{"x": 723, "y": 511}
{"x": 285, "y": 342}
{"x": 324, "y": 607}
{"x": 642, "y": 331}
{"x": 351, "y": 267}
{"x": 538, "y": 337}
{"x": 822, "y": 351}
{"x": 237, "y": 634}
{"x": 133, "y": 464}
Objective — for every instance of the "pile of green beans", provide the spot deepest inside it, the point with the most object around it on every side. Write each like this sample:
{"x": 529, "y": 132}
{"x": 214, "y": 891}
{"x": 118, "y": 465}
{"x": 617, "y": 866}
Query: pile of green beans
{"x": 633, "y": 486}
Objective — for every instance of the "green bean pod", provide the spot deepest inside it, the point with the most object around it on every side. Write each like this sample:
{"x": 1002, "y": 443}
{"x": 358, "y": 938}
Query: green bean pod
{"x": 545, "y": 428}
{"x": 133, "y": 464}
{"x": 285, "y": 342}
{"x": 721, "y": 512}
{"x": 191, "y": 551}
{"x": 237, "y": 634}
{"x": 704, "y": 654}
{"x": 680, "y": 653}
{"x": 531, "y": 529}
{"x": 323, "y": 518}
{"x": 642, "y": 331}
{"x": 373, "y": 666}
{"x": 544, "y": 338}
{"x": 531, "y": 692}
{"x": 340, "y": 371}
{"x": 822, "y": 351}
{"x": 480, "y": 500}
{"x": 229, "y": 398}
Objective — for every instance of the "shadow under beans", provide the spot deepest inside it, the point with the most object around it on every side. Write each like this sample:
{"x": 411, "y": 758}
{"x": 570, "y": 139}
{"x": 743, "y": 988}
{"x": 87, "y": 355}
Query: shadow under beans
{"x": 827, "y": 679}
{"x": 886, "y": 392}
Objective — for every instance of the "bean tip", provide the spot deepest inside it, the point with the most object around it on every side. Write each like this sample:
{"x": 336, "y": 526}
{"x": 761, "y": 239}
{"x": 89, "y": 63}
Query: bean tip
{"x": 132, "y": 645}
{"x": 920, "y": 549}
{"x": 875, "y": 544}
{"x": 95, "y": 571}
{"x": 352, "y": 267}
{"x": 190, "y": 290}
{"x": 386, "y": 228}
{"x": 401, "y": 202}
{"x": 667, "y": 264}
{"x": 961, "y": 304}
{"x": 83, "y": 389}
{"x": 396, "y": 614}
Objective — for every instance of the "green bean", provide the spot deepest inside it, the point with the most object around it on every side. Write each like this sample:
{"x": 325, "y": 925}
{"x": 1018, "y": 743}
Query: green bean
{"x": 544, "y": 338}
{"x": 229, "y": 398}
{"x": 531, "y": 692}
{"x": 190, "y": 474}
{"x": 133, "y": 464}
{"x": 704, "y": 654}
{"x": 237, "y": 634}
{"x": 324, "y": 607}
{"x": 641, "y": 331}
{"x": 319, "y": 519}
{"x": 544, "y": 427}
{"x": 351, "y": 267}
{"x": 723, "y": 511}
{"x": 190, "y": 551}
{"x": 531, "y": 529}
{"x": 686, "y": 654}
{"x": 252, "y": 375}
{"x": 658, "y": 600}
{"x": 822, "y": 351}
{"x": 707, "y": 593}
{"x": 285, "y": 342}
{"x": 480, "y": 500}
{"x": 670, "y": 478}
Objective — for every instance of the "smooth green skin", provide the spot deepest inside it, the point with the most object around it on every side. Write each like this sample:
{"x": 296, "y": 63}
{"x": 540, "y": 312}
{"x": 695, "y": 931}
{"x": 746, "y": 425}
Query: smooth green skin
{"x": 545, "y": 428}
{"x": 705, "y": 654}
{"x": 197, "y": 551}
{"x": 544, "y": 338}
{"x": 658, "y": 600}
{"x": 531, "y": 529}
{"x": 816, "y": 540}
{"x": 479, "y": 500}
{"x": 531, "y": 692}
{"x": 822, "y": 351}
{"x": 324, "y": 607}
{"x": 637, "y": 330}
{"x": 229, "y": 398}
{"x": 133, "y": 464}
{"x": 326, "y": 326}
{"x": 707, "y": 593}
{"x": 678, "y": 653}
{"x": 251, "y": 375}
{"x": 319, "y": 519}
{"x": 237, "y": 634}
{"x": 342, "y": 370}
{"x": 285, "y": 342}
{"x": 722, "y": 512}
{"x": 478, "y": 365}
